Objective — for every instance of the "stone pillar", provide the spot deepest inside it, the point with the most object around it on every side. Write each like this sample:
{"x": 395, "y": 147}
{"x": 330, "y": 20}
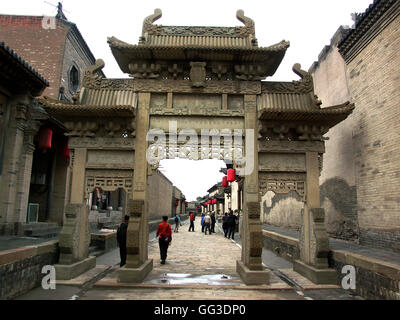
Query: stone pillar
{"x": 250, "y": 267}
{"x": 74, "y": 238}
{"x": 138, "y": 266}
{"x": 314, "y": 241}
{"x": 24, "y": 175}
{"x": 11, "y": 166}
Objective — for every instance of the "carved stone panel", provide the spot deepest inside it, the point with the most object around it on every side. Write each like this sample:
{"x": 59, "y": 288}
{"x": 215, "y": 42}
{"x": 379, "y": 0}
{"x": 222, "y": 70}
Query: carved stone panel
{"x": 109, "y": 180}
{"x": 292, "y": 162}
{"x": 198, "y": 74}
{"x": 282, "y": 183}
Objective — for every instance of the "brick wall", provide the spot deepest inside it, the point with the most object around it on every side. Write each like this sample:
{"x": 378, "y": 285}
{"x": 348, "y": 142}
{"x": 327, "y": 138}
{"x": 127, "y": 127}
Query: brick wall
{"x": 374, "y": 84}
{"x": 41, "y": 48}
{"x": 21, "y": 268}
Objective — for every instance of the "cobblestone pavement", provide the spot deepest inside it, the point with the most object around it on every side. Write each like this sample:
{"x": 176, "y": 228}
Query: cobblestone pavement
{"x": 199, "y": 267}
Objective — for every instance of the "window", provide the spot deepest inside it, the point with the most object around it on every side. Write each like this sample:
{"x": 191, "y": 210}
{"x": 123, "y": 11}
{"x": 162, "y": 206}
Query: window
{"x": 74, "y": 79}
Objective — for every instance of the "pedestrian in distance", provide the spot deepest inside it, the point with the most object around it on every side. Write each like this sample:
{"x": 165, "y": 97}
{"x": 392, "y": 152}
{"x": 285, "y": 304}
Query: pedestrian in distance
{"x": 164, "y": 235}
{"x": 192, "y": 218}
{"x": 202, "y": 222}
{"x": 177, "y": 223}
{"x": 207, "y": 222}
{"x": 213, "y": 221}
{"x": 225, "y": 224}
{"x": 121, "y": 238}
{"x": 231, "y": 225}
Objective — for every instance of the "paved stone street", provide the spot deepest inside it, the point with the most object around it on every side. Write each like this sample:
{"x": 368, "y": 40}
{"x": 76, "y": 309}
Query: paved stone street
{"x": 199, "y": 267}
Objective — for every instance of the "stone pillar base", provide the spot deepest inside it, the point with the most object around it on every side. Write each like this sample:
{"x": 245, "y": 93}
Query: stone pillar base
{"x": 135, "y": 275}
{"x": 71, "y": 271}
{"x": 252, "y": 277}
{"x": 317, "y": 276}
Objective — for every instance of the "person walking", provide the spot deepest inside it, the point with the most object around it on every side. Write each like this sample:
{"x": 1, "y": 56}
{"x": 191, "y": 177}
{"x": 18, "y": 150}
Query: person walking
{"x": 225, "y": 224}
{"x": 202, "y": 222}
{"x": 177, "y": 222}
{"x": 164, "y": 235}
{"x": 192, "y": 218}
{"x": 121, "y": 238}
{"x": 231, "y": 225}
{"x": 213, "y": 221}
{"x": 207, "y": 222}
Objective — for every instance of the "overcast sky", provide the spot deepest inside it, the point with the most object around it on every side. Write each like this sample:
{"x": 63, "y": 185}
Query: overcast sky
{"x": 307, "y": 24}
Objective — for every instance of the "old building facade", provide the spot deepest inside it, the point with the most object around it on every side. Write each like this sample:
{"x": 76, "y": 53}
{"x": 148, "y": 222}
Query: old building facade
{"x": 20, "y": 120}
{"x": 54, "y": 46}
{"x": 361, "y": 166}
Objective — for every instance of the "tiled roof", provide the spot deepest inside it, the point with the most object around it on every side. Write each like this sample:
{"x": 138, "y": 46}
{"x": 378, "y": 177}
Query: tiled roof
{"x": 331, "y": 115}
{"x": 59, "y": 108}
{"x": 364, "y": 22}
{"x": 21, "y": 61}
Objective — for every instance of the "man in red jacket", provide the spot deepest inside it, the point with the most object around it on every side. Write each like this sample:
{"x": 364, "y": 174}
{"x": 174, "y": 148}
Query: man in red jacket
{"x": 192, "y": 218}
{"x": 164, "y": 234}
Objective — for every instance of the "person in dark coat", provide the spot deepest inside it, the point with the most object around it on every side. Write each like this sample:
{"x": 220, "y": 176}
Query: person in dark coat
{"x": 121, "y": 238}
{"x": 164, "y": 234}
{"x": 225, "y": 224}
{"x": 231, "y": 225}
{"x": 213, "y": 220}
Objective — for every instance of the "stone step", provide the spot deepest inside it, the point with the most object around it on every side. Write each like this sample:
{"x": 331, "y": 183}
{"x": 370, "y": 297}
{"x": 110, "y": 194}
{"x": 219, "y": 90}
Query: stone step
{"x": 40, "y": 225}
{"x": 95, "y": 251}
{"x": 44, "y": 232}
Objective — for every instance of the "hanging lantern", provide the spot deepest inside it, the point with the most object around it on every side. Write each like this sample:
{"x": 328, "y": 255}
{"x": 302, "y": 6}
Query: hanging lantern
{"x": 214, "y": 201}
{"x": 66, "y": 153}
{"x": 231, "y": 175}
{"x": 176, "y": 203}
{"x": 225, "y": 181}
{"x": 45, "y": 136}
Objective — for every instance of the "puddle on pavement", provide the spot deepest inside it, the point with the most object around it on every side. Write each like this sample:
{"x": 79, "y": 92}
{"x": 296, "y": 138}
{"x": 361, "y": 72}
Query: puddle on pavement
{"x": 187, "y": 278}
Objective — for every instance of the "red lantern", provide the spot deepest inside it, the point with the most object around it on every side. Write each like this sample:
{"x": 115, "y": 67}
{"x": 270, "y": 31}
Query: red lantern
{"x": 214, "y": 201}
{"x": 225, "y": 181}
{"x": 45, "y": 136}
{"x": 231, "y": 175}
{"x": 65, "y": 151}
{"x": 176, "y": 203}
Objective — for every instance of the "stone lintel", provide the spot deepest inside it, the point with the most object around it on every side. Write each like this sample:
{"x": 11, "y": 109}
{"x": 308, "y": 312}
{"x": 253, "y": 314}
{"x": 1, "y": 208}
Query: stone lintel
{"x": 317, "y": 276}
{"x": 135, "y": 275}
{"x": 252, "y": 277}
{"x": 71, "y": 271}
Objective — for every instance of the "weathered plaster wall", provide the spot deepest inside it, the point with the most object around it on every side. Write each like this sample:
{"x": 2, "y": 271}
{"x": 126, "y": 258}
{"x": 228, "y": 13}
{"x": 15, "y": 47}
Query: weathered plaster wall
{"x": 159, "y": 196}
{"x": 337, "y": 180}
{"x": 283, "y": 210}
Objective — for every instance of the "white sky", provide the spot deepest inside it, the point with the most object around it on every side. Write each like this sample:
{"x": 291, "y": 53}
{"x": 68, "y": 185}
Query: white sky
{"x": 307, "y": 24}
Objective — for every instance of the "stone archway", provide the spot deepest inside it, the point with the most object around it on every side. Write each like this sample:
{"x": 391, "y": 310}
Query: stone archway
{"x": 213, "y": 85}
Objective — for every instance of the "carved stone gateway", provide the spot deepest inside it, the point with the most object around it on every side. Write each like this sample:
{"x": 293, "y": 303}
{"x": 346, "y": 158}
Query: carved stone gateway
{"x": 189, "y": 79}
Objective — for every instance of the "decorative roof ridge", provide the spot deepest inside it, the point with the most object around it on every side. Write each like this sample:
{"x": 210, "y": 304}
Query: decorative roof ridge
{"x": 150, "y": 29}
